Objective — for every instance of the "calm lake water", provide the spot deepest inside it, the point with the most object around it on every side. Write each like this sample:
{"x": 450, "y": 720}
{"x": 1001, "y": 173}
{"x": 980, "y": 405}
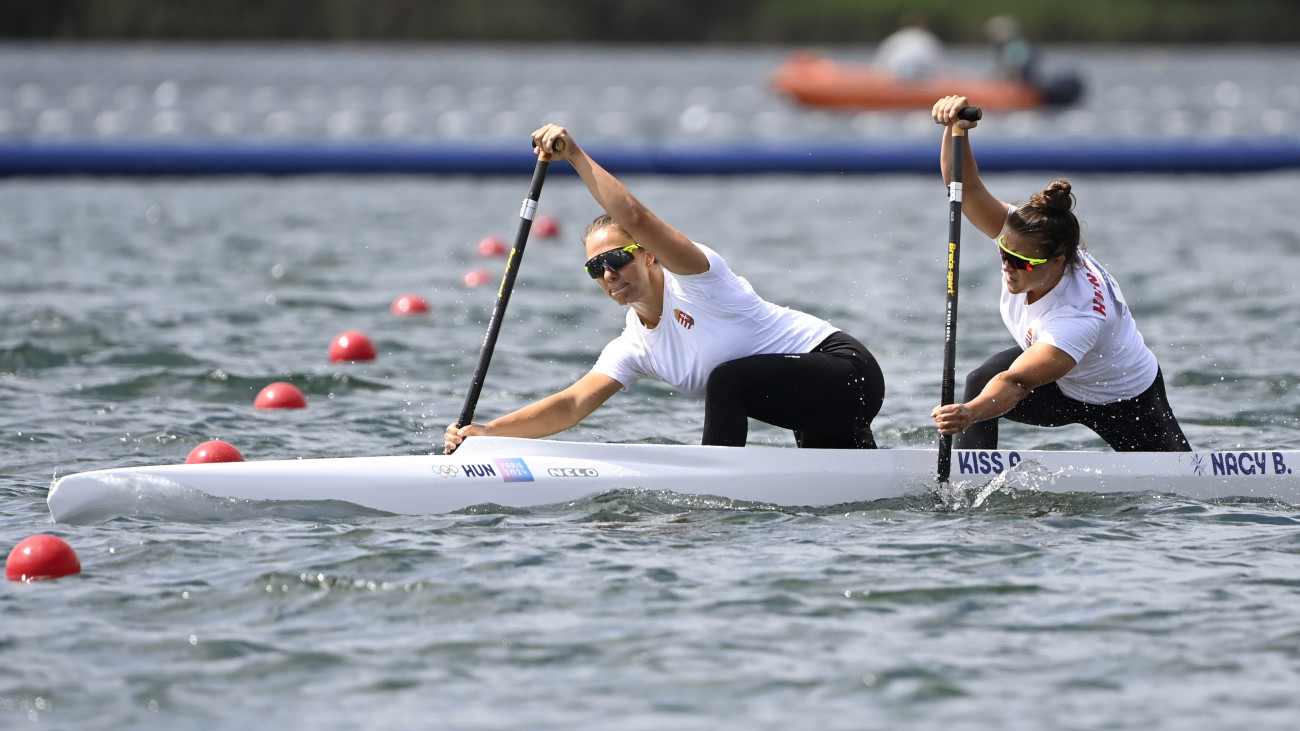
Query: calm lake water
{"x": 140, "y": 317}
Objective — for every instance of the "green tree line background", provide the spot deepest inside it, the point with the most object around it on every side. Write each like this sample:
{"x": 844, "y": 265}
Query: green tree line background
{"x": 645, "y": 21}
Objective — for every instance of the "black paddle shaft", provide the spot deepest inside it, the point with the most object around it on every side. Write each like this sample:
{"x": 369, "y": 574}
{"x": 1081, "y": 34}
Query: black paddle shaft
{"x": 526, "y": 215}
{"x": 949, "y": 385}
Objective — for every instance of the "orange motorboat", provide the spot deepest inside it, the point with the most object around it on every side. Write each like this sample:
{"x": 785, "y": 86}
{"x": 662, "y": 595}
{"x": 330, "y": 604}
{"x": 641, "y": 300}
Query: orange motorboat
{"x": 820, "y": 82}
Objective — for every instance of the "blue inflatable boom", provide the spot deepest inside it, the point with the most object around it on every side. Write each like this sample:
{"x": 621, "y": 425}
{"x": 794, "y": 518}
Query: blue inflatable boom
{"x": 1075, "y": 155}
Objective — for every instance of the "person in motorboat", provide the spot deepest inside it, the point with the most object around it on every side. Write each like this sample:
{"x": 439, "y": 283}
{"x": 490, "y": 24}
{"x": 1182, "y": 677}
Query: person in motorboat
{"x": 1079, "y": 357}
{"x": 694, "y": 324}
{"x": 912, "y": 52}
{"x": 1017, "y": 60}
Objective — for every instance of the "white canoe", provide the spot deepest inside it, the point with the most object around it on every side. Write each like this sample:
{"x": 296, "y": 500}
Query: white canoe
{"x": 527, "y": 472}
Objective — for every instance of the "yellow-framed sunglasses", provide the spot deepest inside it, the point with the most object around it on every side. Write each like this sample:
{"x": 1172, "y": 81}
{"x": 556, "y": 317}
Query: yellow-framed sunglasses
{"x": 1017, "y": 261}
{"x": 613, "y": 260}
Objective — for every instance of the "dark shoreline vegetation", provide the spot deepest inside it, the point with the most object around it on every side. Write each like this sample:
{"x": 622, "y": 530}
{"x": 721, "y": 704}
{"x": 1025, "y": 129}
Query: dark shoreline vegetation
{"x": 643, "y": 21}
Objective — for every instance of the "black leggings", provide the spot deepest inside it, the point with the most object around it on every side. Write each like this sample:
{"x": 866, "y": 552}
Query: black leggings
{"x": 1144, "y": 423}
{"x": 828, "y": 397}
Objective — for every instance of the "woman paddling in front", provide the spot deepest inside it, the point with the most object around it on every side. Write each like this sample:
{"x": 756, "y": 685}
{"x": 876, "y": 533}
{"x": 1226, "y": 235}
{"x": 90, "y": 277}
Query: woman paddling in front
{"x": 1079, "y": 358}
{"x": 695, "y": 325}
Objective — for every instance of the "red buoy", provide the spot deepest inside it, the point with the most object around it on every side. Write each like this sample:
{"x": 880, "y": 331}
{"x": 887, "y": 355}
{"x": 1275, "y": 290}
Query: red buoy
{"x": 409, "y": 304}
{"x": 280, "y": 396}
{"x": 214, "y": 451}
{"x": 476, "y": 278}
{"x": 41, "y": 557}
{"x": 546, "y": 226}
{"x": 492, "y": 246}
{"x": 351, "y": 346}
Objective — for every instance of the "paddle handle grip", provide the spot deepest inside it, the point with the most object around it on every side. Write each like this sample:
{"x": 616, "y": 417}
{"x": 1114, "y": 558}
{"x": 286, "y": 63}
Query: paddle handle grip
{"x": 559, "y": 144}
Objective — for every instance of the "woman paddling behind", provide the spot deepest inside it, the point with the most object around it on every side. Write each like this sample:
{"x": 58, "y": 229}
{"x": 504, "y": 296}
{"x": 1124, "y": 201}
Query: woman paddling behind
{"x": 1079, "y": 357}
{"x": 695, "y": 325}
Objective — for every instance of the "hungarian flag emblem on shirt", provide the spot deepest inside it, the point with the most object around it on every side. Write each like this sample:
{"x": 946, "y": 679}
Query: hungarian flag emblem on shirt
{"x": 686, "y": 320}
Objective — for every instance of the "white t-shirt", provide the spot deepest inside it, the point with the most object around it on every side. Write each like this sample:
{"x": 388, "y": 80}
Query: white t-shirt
{"x": 1085, "y": 315}
{"x": 708, "y": 319}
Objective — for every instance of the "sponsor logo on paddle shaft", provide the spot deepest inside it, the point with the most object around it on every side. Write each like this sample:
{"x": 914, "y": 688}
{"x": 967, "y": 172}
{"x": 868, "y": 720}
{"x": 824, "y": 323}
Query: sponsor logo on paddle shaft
{"x": 513, "y": 469}
{"x": 572, "y": 472}
{"x": 1243, "y": 464}
{"x": 684, "y": 319}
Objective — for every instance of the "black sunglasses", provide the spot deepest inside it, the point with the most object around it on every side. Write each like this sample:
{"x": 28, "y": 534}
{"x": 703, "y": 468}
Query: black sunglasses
{"x": 613, "y": 260}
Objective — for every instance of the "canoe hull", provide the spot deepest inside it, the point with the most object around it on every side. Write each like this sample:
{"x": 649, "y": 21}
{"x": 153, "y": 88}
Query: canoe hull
{"x": 527, "y": 473}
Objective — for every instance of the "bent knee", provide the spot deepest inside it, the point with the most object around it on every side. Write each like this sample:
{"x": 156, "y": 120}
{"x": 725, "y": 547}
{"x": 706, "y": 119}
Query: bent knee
{"x": 977, "y": 379}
